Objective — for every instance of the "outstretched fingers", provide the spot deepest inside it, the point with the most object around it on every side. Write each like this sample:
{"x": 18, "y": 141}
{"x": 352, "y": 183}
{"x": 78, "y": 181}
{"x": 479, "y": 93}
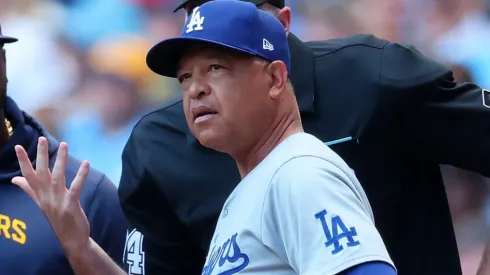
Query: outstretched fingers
{"x": 79, "y": 181}
{"x": 58, "y": 175}
{"x": 42, "y": 162}
{"x": 26, "y": 167}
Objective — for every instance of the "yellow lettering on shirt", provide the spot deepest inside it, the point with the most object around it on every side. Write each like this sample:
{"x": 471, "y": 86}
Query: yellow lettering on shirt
{"x": 5, "y": 226}
{"x": 13, "y": 229}
{"x": 19, "y": 235}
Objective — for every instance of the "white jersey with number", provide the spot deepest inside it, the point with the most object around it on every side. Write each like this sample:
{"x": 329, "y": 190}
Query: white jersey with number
{"x": 300, "y": 211}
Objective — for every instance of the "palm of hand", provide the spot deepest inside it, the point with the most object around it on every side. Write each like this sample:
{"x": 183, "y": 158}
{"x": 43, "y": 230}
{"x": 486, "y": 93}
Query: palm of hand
{"x": 60, "y": 205}
{"x": 67, "y": 218}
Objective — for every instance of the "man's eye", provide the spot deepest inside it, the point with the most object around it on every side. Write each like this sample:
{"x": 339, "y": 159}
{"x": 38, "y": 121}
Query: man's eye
{"x": 184, "y": 77}
{"x": 215, "y": 67}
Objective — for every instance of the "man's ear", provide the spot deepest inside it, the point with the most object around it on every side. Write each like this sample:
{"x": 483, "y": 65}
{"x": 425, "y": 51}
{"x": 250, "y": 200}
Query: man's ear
{"x": 284, "y": 15}
{"x": 278, "y": 79}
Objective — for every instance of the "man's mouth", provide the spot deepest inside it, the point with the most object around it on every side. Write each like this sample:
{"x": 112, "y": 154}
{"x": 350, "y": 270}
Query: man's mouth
{"x": 203, "y": 113}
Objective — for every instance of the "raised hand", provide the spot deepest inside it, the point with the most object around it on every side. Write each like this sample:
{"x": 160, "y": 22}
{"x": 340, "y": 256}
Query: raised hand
{"x": 60, "y": 205}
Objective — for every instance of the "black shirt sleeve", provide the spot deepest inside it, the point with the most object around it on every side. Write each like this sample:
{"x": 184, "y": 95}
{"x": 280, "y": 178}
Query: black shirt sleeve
{"x": 165, "y": 240}
{"x": 440, "y": 120}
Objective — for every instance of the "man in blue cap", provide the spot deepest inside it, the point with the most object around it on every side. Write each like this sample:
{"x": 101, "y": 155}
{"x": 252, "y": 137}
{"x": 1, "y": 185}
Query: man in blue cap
{"x": 390, "y": 112}
{"x": 299, "y": 208}
{"x": 28, "y": 244}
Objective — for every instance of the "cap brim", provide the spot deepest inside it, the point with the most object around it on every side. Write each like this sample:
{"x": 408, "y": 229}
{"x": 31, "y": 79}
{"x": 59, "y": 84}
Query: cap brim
{"x": 7, "y": 39}
{"x": 164, "y": 57}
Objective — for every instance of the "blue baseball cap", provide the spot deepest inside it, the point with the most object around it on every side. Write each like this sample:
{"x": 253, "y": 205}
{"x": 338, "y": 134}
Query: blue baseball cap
{"x": 235, "y": 25}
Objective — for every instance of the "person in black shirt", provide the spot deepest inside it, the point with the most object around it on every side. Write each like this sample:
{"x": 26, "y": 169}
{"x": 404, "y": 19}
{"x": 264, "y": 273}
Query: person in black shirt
{"x": 390, "y": 112}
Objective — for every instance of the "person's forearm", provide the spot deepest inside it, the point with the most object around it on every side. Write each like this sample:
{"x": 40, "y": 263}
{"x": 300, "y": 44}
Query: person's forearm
{"x": 92, "y": 260}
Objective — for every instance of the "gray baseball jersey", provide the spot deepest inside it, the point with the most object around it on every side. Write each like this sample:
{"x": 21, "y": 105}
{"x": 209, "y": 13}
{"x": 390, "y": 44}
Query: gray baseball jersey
{"x": 300, "y": 211}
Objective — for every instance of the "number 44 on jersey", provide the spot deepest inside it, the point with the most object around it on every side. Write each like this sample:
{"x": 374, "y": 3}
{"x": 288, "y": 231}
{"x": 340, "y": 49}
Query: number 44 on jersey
{"x": 134, "y": 257}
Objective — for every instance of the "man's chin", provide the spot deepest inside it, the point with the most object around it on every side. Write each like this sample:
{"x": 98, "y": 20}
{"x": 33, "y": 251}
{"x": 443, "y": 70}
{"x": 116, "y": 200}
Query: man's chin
{"x": 212, "y": 141}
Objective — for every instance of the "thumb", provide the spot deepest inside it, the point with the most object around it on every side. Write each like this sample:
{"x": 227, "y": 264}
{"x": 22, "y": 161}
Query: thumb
{"x": 24, "y": 185}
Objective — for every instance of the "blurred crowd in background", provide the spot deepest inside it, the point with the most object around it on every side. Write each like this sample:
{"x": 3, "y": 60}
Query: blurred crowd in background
{"x": 79, "y": 67}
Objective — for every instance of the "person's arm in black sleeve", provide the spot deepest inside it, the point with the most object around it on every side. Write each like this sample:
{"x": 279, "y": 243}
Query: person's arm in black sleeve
{"x": 165, "y": 242}
{"x": 107, "y": 222}
{"x": 440, "y": 120}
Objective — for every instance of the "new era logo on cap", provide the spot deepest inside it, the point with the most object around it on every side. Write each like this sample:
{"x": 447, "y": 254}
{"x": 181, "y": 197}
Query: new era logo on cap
{"x": 267, "y": 45}
{"x": 232, "y": 24}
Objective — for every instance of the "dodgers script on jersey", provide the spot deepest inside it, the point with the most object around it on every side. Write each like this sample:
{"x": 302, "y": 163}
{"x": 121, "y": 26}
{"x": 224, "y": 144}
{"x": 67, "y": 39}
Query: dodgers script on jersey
{"x": 300, "y": 211}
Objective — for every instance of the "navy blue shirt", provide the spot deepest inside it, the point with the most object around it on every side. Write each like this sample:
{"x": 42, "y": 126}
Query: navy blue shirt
{"x": 27, "y": 242}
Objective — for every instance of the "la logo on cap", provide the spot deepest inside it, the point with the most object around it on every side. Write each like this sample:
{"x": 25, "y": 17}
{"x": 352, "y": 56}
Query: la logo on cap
{"x": 195, "y": 24}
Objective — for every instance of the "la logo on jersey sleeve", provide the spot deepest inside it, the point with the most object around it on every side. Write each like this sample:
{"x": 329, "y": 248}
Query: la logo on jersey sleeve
{"x": 336, "y": 232}
{"x": 195, "y": 24}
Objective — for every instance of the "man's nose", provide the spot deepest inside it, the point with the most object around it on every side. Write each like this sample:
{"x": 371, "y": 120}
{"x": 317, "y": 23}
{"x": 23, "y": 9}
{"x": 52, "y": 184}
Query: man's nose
{"x": 199, "y": 88}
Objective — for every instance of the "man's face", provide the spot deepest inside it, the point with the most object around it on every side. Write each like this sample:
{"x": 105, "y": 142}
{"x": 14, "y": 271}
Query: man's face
{"x": 225, "y": 95}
